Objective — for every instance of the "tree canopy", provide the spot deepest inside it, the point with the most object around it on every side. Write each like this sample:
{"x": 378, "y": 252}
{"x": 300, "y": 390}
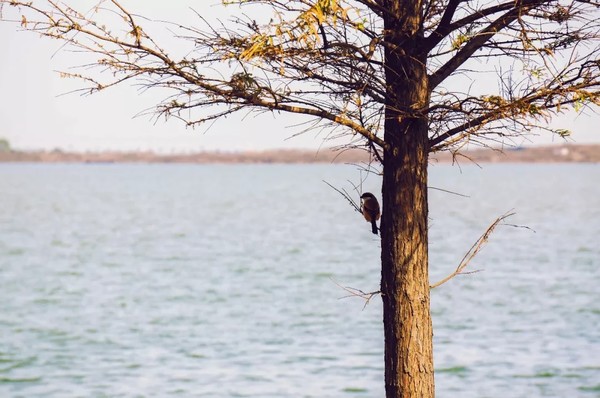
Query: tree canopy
{"x": 495, "y": 69}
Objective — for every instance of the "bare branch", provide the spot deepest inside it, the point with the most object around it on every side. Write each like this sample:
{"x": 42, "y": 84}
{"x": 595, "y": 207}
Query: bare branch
{"x": 353, "y": 292}
{"x": 473, "y": 251}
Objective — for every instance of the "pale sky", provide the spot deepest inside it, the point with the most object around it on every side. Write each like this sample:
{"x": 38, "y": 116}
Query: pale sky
{"x": 34, "y": 114}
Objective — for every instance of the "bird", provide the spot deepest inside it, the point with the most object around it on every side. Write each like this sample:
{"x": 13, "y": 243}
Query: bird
{"x": 370, "y": 210}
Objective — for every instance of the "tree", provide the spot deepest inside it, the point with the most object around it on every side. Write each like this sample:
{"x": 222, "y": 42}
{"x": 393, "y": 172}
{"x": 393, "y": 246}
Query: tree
{"x": 403, "y": 78}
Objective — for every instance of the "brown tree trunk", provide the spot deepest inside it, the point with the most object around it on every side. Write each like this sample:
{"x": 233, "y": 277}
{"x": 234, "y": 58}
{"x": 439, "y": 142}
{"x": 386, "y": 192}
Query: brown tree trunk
{"x": 404, "y": 275}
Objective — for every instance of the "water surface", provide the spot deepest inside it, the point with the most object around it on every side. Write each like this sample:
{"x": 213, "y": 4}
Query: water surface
{"x": 222, "y": 281}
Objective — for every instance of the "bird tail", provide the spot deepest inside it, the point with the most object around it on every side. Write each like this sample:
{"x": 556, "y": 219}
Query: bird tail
{"x": 374, "y": 227}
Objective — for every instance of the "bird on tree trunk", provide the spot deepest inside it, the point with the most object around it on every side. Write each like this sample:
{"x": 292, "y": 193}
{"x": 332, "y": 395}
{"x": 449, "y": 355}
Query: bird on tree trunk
{"x": 370, "y": 210}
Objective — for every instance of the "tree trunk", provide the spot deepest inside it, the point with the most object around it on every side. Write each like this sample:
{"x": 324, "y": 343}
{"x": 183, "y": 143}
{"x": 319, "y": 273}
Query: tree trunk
{"x": 404, "y": 274}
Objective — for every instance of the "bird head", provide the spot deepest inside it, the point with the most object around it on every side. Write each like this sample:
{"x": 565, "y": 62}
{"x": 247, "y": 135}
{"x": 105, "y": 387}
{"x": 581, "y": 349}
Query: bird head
{"x": 367, "y": 195}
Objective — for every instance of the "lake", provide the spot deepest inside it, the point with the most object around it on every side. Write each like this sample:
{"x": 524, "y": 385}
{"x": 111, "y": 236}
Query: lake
{"x": 224, "y": 281}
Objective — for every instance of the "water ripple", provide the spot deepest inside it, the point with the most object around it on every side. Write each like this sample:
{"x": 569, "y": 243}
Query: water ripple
{"x": 219, "y": 281}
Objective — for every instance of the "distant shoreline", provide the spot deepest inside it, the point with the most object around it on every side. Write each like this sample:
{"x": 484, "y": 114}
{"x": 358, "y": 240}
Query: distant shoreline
{"x": 560, "y": 153}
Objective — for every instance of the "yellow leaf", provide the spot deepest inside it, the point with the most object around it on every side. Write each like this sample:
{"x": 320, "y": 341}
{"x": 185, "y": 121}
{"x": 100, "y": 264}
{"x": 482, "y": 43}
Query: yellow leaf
{"x": 23, "y": 21}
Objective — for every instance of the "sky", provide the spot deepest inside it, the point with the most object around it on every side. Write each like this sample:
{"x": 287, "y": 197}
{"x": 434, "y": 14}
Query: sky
{"x": 36, "y": 111}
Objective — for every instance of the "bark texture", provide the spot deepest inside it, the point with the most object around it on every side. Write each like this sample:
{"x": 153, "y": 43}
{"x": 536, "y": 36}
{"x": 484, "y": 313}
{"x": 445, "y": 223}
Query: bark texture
{"x": 404, "y": 278}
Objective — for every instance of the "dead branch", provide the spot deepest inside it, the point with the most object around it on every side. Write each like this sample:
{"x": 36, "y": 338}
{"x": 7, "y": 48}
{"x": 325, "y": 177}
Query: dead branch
{"x": 473, "y": 251}
{"x": 353, "y": 292}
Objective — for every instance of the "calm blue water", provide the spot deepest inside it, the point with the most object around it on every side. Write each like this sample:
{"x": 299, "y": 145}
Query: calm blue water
{"x": 220, "y": 281}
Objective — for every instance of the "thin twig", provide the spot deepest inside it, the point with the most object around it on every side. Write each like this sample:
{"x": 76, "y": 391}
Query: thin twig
{"x": 353, "y": 292}
{"x": 450, "y": 192}
{"x": 520, "y": 226}
{"x": 346, "y": 195}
